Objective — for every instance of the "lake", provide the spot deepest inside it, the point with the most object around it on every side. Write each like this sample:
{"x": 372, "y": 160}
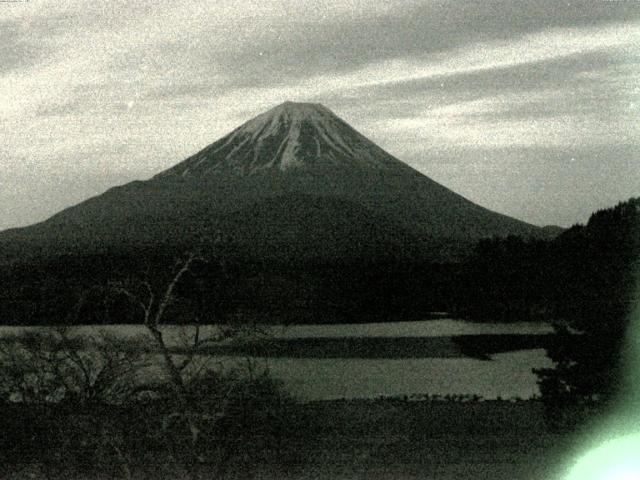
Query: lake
{"x": 506, "y": 375}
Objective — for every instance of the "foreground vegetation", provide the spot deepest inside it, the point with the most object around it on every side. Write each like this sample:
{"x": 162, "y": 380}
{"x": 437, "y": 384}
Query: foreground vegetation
{"x": 381, "y": 439}
{"x": 86, "y": 407}
{"x": 74, "y": 407}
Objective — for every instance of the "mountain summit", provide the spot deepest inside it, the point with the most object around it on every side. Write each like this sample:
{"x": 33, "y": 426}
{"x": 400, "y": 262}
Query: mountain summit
{"x": 290, "y": 136}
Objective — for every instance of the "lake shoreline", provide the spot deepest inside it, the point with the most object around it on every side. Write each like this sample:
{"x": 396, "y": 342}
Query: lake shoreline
{"x": 323, "y": 362}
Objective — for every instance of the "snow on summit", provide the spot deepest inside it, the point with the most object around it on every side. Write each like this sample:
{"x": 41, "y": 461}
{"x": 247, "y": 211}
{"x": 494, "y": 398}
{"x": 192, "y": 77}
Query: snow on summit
{"x": 288, "y": 137}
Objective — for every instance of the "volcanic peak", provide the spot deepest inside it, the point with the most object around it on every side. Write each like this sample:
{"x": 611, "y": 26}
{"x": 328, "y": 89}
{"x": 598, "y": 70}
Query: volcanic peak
{"x": 288, "y": 137}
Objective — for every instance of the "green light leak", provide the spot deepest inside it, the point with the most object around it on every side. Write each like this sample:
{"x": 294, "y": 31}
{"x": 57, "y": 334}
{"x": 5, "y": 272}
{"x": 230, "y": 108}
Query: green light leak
{"x": 631, "y": 356}
{"x": 617, "y": 459}
{"x": 614, "y": 452}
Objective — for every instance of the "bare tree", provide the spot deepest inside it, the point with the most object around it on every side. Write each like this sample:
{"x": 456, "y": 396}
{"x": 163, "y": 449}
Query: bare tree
{"x": 183, "y": 367}
{"x": 199, "y": 415}
{"x": 53, "y": 366}
{"x": 75, "y": 376}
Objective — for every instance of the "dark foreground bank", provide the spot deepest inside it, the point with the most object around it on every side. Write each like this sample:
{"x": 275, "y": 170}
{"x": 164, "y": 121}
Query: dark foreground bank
{"x": 383, "y": 439}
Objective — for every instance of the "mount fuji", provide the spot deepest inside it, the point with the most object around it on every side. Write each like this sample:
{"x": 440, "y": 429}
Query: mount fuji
{"x": 296, "y": 182}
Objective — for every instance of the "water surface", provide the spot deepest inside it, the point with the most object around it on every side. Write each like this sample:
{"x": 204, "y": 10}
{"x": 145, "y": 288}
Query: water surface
{"x": 503, "y": 375}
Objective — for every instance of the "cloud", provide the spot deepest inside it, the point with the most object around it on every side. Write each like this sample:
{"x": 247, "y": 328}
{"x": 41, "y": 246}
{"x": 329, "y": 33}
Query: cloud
{"x": 541, "y": 184}
{"x": 16, "y": 49}
{"x": 266, "y": 53}
{"x": 121, "y": 90}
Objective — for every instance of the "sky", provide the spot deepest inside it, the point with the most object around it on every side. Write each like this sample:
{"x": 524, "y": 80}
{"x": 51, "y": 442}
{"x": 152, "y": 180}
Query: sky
{"x": 527, "y": 108}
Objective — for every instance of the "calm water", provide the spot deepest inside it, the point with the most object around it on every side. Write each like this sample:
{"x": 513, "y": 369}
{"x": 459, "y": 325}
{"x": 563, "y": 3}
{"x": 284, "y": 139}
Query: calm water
{"x": 506, "y": 375}
{"x": 428, "y": 328}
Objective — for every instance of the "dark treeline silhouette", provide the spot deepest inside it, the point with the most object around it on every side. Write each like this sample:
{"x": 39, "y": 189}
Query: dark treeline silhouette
{"x": 584, "y": 277}
{"x": 596, "y": 277}
{"x": 509, "y": 279}
{"x": 573, "y": 278}
{"x": 229, "y": 286}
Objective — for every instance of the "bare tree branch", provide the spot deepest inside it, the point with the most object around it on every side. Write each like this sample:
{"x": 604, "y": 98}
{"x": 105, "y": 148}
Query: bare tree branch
{"x": 168, "y": 294}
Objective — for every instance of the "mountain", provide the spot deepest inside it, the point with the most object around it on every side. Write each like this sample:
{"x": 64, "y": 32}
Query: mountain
{"x": 294, "y": 182}
{"x": 318, "y": 224}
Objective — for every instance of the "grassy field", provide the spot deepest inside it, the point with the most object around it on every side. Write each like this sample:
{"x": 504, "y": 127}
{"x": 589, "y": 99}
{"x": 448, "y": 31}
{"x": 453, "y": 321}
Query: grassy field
{"x": 364, "y": 439}
{"x": 394, "y": 439}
